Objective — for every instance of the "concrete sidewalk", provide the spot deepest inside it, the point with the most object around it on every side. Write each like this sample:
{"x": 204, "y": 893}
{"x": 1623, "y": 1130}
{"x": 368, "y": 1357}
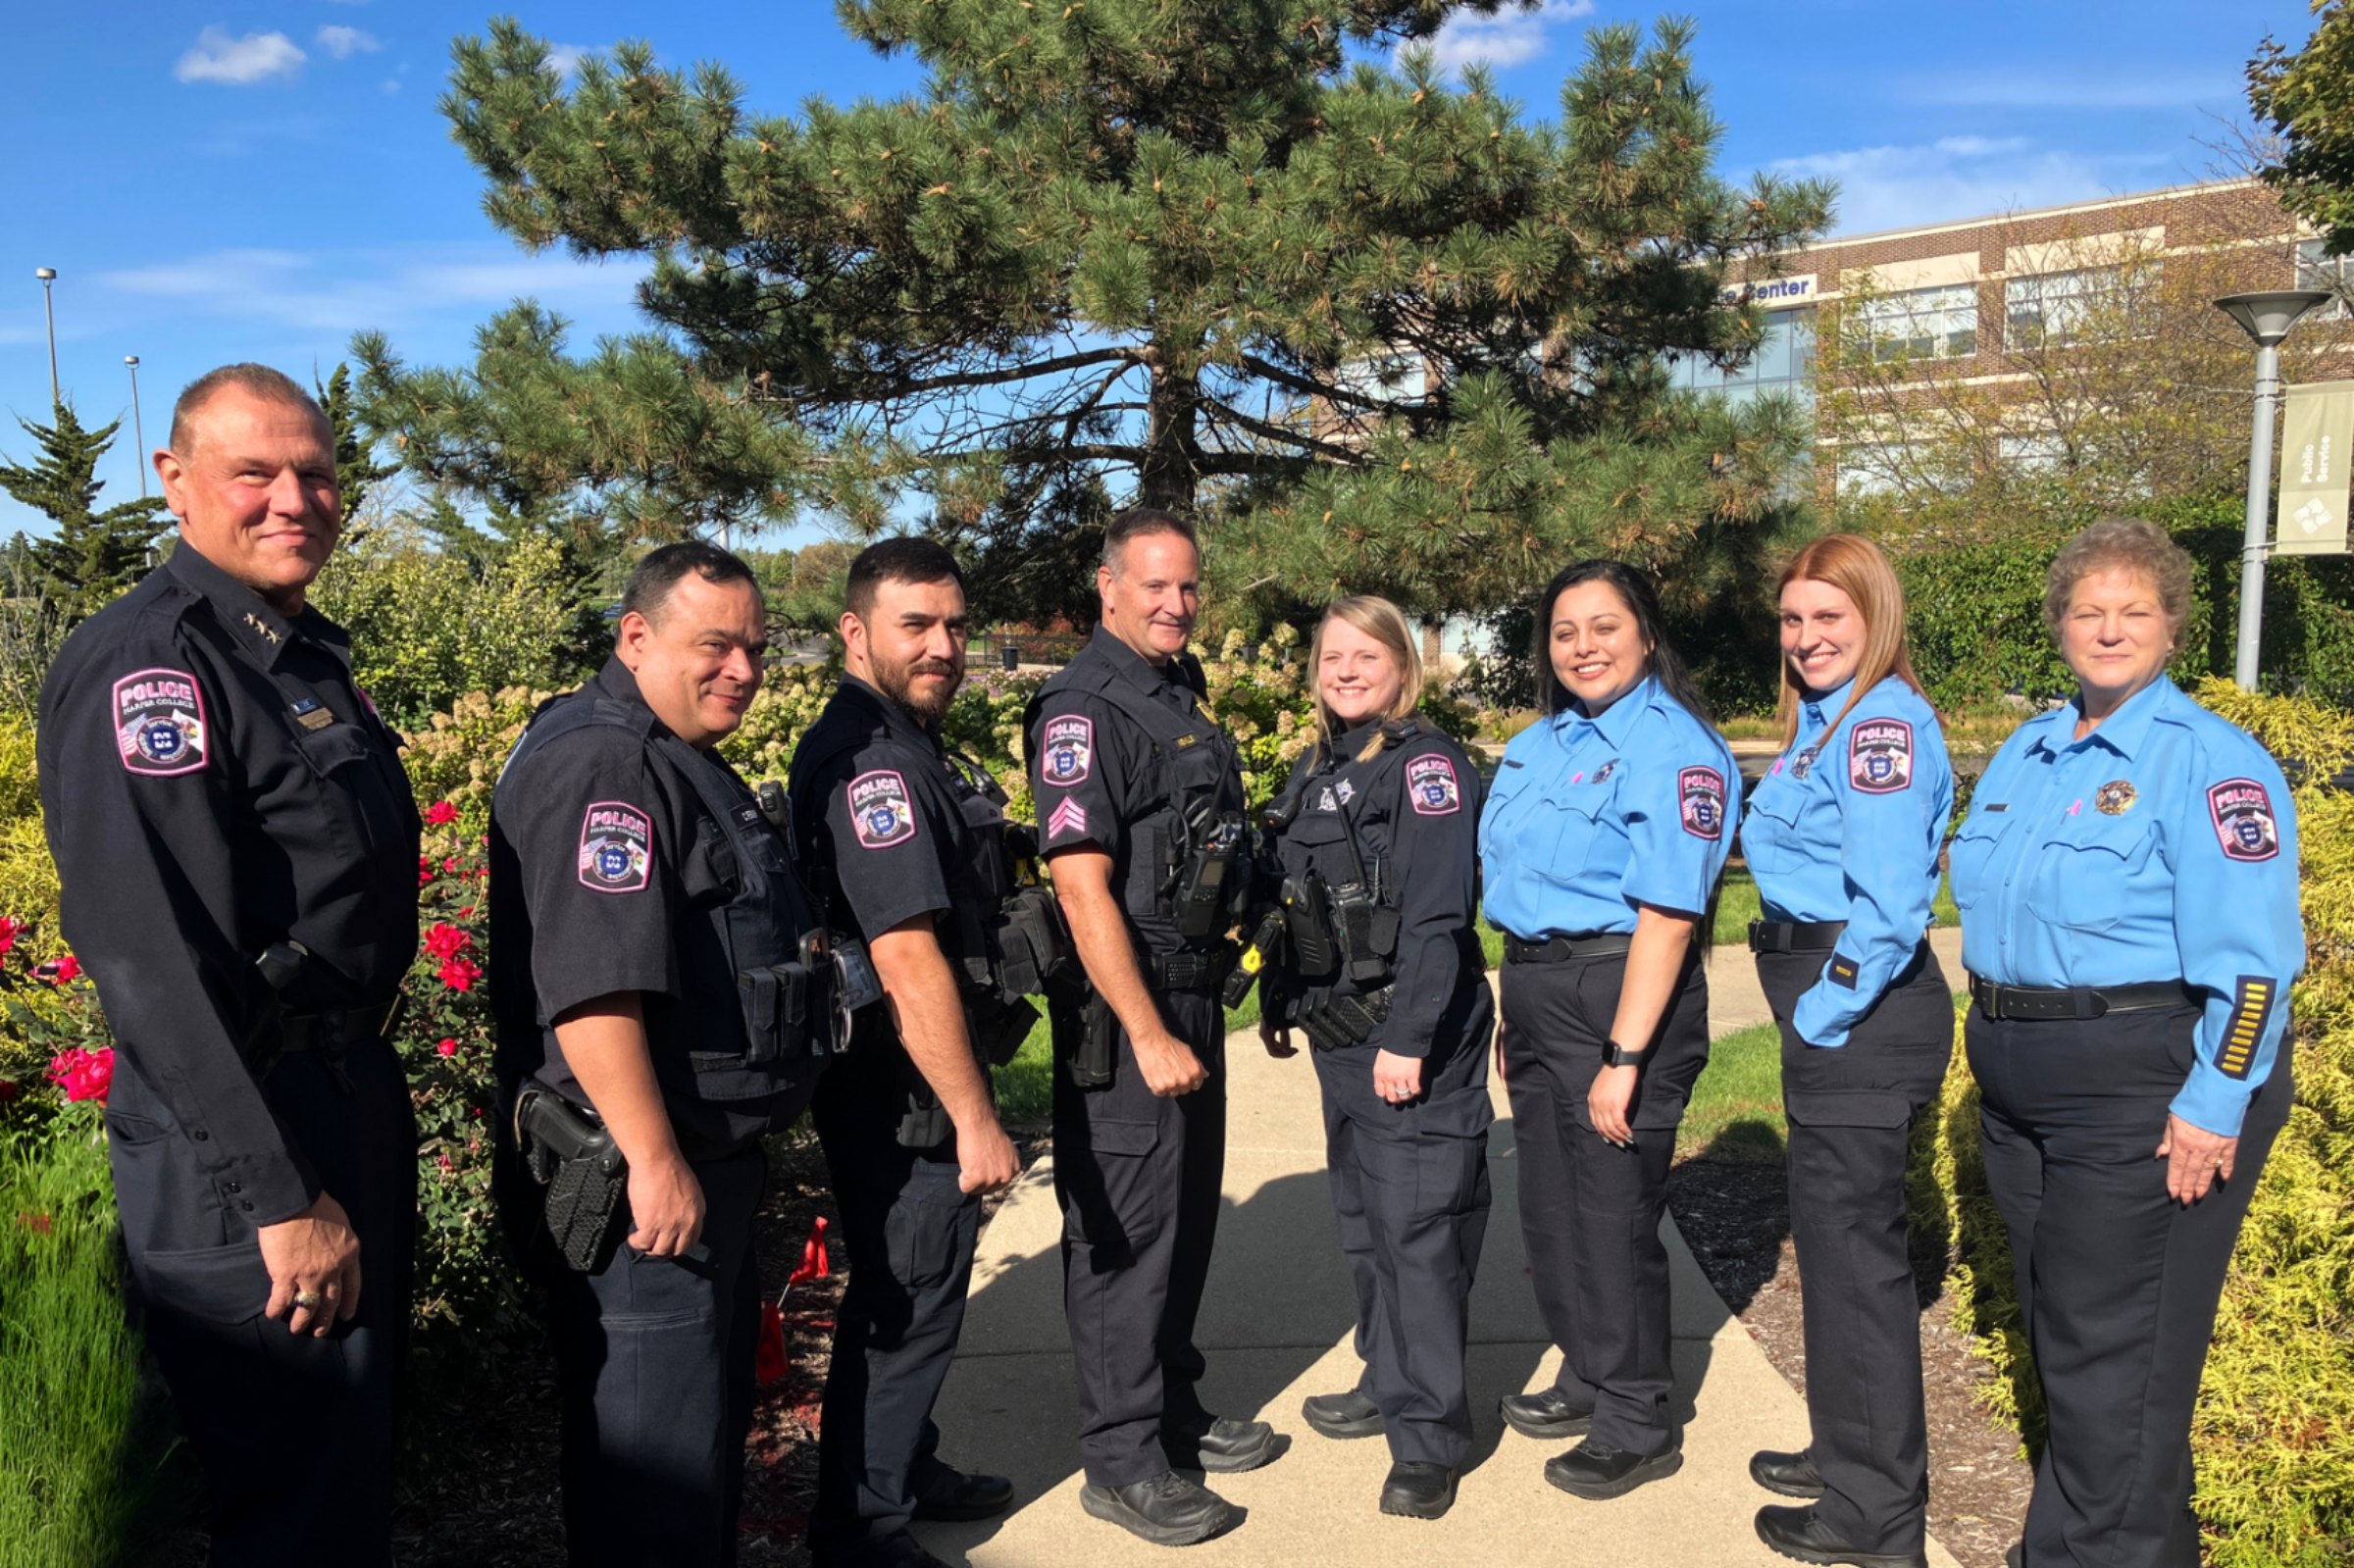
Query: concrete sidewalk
{"x": 1277, "y": 1328}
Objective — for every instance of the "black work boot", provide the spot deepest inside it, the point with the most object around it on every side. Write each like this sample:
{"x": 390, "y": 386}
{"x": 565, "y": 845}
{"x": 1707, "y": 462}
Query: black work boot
{"x": 947, "y": 1494}
{"x": 1598, "y": 1473}
{"x": 1801, "y": 1533}
{"x": 1167, "y": 1511}
{"x": 1342, "y": 1415}
{"x": 1222, "y": 1448}
{"x": 1546, "y": 1415}
{"x": 1418, "y": 1490}
{"x": 1793, "y": 1475}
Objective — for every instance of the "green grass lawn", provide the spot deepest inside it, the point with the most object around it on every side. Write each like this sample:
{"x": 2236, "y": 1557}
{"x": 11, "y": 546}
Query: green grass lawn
{"x": 1737, "y": 1107}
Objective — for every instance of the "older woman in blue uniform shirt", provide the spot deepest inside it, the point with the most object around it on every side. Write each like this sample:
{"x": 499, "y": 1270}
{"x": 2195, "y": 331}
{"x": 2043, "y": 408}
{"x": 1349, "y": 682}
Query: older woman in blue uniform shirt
{"x": 1842, "y": 836}
{"x": 1392, "y": 806}
{"x": 1603, "y": 839}
{"x": 2128, "y": 879}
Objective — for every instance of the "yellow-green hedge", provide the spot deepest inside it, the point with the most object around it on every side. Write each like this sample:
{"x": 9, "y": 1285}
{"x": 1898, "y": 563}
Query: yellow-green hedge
{"x": 2273, "y": 1436}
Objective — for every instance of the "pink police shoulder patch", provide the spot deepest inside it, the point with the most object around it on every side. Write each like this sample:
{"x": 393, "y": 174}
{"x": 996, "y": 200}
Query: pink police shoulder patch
{"x": 159, "y": 722}
{"x": 1879, "y": 756}
{"x": 1066, "y": 751}
{"x": 1431, "y": 785}
{"x": 882, "y": 813}
{"x": 1700, "y": 801}
{"x": 617, "y": 848}
{"x": 2241, "y": 811}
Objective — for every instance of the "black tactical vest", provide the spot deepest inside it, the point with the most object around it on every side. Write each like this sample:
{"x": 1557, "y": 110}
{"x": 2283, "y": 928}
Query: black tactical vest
{"x": 1195, "y": 778}
{"x": 738, "y": 875}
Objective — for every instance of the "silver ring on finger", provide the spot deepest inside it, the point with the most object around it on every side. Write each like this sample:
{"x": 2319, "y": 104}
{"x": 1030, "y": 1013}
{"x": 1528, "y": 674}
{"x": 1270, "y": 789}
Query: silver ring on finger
{"x": 309, "y": 1300}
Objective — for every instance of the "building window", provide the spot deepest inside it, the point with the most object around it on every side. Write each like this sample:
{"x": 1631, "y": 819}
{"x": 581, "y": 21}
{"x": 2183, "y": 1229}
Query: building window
{"x": 1784, "y": 363}
{"x": 1866, "y": 468}
{"x": 2040, "y": 452}
{"x": 2058, "y": 307}
{"x": 2335, "y": 274}
{"x": 1919, "y": 323}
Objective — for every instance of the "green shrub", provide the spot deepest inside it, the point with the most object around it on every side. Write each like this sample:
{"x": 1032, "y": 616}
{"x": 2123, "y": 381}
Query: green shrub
{"x": 2274, "y": 1434}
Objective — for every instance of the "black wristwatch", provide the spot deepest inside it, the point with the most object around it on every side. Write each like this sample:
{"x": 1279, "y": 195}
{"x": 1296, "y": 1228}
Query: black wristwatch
{"x": 1617, "y": 1055}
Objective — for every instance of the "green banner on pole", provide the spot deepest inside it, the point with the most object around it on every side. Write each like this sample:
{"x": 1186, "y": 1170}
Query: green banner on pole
{"x": 2316, "y": 450}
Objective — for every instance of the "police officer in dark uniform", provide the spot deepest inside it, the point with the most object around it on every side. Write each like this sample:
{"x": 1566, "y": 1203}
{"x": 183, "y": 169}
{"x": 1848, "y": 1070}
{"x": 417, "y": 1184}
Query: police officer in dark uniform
{"x": 2128, "y": 880}
{"x": 1842, "y": 836}
{"x": 905, "y": 848}
{"x": 1383, "y": 972}
{"x": 657, "y": 1007}
{"x": 237, "y": 848}
{"x": 1139, "y": 802}
{"x": 1605, "y": 833}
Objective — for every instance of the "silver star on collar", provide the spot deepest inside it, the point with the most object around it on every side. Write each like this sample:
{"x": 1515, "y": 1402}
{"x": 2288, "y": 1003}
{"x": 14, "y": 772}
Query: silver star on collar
{"x": 255, "y": 622}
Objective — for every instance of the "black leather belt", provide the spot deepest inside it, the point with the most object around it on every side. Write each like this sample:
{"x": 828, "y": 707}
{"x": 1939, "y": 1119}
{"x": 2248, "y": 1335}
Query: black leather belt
{"x": 1193, "y": 970}
{"x": 1794, "y": 936}
{"x": 337, "y": 1030}
{"x": 1560, "y": 949}
{"x": 2053, "y": 1004}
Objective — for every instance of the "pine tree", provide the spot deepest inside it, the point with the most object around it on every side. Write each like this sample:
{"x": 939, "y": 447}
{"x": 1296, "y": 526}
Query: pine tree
{"x": 357, "y": 471}
{"x": 1370, "y": 323}
{"x": 94, "y": 555}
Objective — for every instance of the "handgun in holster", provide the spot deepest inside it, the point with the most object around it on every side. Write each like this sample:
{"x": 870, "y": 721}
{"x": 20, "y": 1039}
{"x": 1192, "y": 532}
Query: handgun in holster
{"x": 567, "y": 1150}
{"x": 279, "y": 965}
{"x": 1087, "y": 1043}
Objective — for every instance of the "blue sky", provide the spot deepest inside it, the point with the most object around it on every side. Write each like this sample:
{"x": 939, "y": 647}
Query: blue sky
{"x": 260, "y": 178}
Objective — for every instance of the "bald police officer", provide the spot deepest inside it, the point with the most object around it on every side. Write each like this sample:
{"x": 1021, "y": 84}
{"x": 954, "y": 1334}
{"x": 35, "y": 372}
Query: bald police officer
{"x": 656, "y": 1003}
{"x": 237, "y": 847}
{"x": 1139, "y": 799}
{"x": 905, "y": 847}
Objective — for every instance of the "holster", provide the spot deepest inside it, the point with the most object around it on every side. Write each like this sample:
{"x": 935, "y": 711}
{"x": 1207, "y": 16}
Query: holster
{"x": 566, "y": 1150}
{"x": 999, "y": 1025}
{"x": 1094, "y": 1048}
{"x": 1030, "y": 944}
{"x": 1334, "y": 1021}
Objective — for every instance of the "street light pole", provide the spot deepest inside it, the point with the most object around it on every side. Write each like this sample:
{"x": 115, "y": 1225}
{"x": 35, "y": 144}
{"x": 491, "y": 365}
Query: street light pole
{"x": 138, "y": 427}
{"x": 2267, "y": 318}
{"x": 48, "y": 275}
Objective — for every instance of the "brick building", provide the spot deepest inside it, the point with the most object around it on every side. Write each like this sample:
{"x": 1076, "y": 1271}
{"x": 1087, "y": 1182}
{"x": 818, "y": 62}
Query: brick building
{"x": 1984, "y": 305}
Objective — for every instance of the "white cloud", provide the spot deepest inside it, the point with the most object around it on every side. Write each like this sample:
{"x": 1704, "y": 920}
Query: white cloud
{"x": 345, "y": 290}
{"x": 567, "y": 57}
{"x": 344, "y": 42}
{"x": 1963, "y": 177}
{"x": 238, "y": 62}
{"x": 1506, "y": 39}
{"x": 2112, "y": 88}
{"x": 392, "y": 85}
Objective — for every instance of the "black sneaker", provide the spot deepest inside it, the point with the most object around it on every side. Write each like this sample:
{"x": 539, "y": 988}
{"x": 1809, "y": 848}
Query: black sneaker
{"x": 1801, "y": 1535}
{"x": 1546, "y": 1415}
{"x": 947, "y": 1495}
{"x": 1167, "y": 1511}
{"x": 1342, "y": 1415}
{"x": 1599, "y": 1473}
{"x": 1418, "y": 1490}
{"x": 1224, "y": 1447}
{"x": 1793, "y": 1475}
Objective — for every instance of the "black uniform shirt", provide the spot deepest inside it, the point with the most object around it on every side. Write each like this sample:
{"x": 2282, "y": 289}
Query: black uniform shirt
{"x": 1414, "y": 808}
{"x": 212, "y": 781}
{"x": 1093, "y": 771}
{"x": 879, "y": 817}
{"x": 593, "y": 890}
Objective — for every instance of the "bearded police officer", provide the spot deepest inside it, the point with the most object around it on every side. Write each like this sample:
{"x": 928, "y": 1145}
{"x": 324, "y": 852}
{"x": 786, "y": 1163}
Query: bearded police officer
{"x": 237, "y": 845}
{"x": 655, "y": 996}
{"x": 906, "y": 849}
{"x": 1139, "y": 802}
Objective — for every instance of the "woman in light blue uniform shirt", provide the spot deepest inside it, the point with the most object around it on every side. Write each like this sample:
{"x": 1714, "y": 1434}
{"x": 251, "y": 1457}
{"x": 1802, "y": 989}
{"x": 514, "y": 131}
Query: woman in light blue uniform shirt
{"x": 2128, "y": 879}
{"x": 1604, "y": 835}
{"x": 1842, "y": 836}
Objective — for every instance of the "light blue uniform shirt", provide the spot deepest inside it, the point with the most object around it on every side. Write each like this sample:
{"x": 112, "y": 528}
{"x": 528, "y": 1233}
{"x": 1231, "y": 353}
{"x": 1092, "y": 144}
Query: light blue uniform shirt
{"x": 1847, "y": 827}
{"x": 2161, "y": 844}
{"x": 1590, "y": 817}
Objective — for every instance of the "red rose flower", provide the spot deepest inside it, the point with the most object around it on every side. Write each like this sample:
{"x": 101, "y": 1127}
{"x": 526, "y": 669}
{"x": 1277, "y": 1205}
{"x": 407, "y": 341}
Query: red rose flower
{"x": 440, "y": 814}
{"x": 58, "y": 971}
{"x": 9, "y": 931}
{"x": 447, "y": 1048}
{"x": 425, "y": 871}
{"x": 459, "y": 975}
{"x": 450, "y": 863}
{"x": 445, "y": 941}
{"x": 7, "y": 1090}
{"x": 83, "y": 1074}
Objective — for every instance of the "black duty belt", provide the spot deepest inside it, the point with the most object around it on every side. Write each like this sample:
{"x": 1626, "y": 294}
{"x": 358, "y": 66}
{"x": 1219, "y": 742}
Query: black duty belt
{"x": 1560, "y": 949}
{"x": 2053, "y": 1004}
{"x": 337, "y": 1030}
{"x": 1193, "y": 970}
{"x": 1794, "y": 936}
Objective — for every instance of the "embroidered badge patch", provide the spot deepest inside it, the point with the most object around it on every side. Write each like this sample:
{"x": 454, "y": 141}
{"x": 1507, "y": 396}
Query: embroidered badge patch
{"x": 1699, "y": 798}
{"x": 1801, "y": 761}
{"x": 617, "y": 847}
{"x": 1879, "y": 756}
{"x": 2243, "y": 813}
{"x": 1068, "y": 820}
{"x": 1067, "y": 749}
{"x": 1328, "y": 801}
{"x": 1345, "y": 790}
{"x": 159, "y": 722}
{"x": 2251, "y": 1005}
{"x": 1602, "y": 775}
{"x": 881, "y": 813}
{"x": 1431, "y": 785}
{"x": 2115, "y": 799}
